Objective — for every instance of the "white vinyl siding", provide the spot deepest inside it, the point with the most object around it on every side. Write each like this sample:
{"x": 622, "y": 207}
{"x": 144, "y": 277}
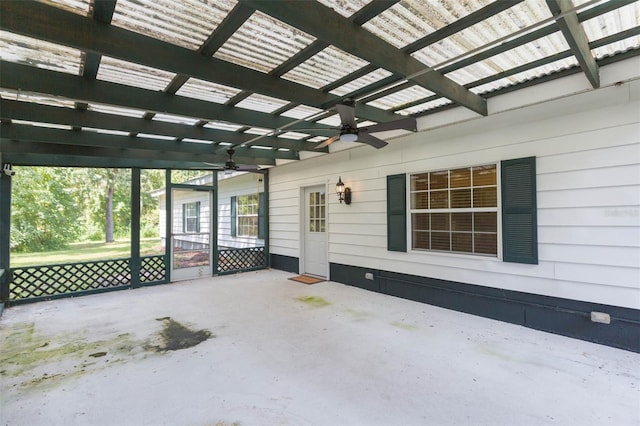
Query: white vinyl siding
{"x": 587, "y": 149}
{"x": 236, "y": 186}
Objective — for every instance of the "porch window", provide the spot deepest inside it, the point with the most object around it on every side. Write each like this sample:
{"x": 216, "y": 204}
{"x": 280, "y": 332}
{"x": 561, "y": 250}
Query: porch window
{"x": 191, "y": 217}
{"x": 455, "y": 210}
{"x": 248, "y": 215}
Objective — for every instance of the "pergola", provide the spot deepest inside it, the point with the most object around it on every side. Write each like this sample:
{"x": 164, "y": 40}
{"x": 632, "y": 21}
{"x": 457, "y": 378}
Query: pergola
{"x": 168, "y": 84}
{"x": 174, "y": 84}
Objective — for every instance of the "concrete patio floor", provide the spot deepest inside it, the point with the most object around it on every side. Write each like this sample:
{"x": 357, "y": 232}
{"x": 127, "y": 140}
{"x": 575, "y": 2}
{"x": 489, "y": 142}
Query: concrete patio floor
{"x": 274, "y": 351}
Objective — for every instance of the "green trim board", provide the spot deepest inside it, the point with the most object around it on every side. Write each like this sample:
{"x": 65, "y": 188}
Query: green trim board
{"x": 5, "y": 232}
{"x": 567, "y": 317}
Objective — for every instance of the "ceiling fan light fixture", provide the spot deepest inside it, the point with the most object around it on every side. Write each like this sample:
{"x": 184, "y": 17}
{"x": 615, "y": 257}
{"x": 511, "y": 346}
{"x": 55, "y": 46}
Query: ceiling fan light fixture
{"x": 348, "y": 137}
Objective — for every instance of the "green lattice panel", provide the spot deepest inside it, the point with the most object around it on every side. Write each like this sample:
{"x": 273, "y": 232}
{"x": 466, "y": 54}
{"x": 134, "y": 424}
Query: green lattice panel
{"x": 234, "y": 260}
{"x": 49, "y": 280}
{"x": 152, "y": 269}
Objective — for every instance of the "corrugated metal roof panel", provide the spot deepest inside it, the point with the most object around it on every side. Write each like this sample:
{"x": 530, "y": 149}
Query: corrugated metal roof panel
{"x": 261, "y": 103}
{"x": 301, "y": 111}
{"x": 401, "y": 97}
{"x": 411, "y": 20}
{"x": 159, "y": 137}
{"x": 325, "y": 67}
{"x": 345, "y": 8}
{"x": 38, "y": 53}
{"x": 37, "y": 98}
{"x": 436, "y": 103}
{"x": 262, "y": 43}
{"x": 186, "y": 23}
{"x": 258, "y": 131}
{"x": 202, "y": 141}
{"x": 108, "y": 109}
{"x": 170, "y": 118}
{"x": 77, "y": 6}
{"x": 122, "y": 72}
{"x": 614, "y": 22}
{"x": 207, "y": 91}
{"x": 293, "y": 135}
{"x": 223, "y": 125}
{"x": 45, "y": 125}
{"x": 493, "y": 28}
{"x": 361, "y": 82}
{"x": 527, "y": 75}
{"x": 521, "y": 55}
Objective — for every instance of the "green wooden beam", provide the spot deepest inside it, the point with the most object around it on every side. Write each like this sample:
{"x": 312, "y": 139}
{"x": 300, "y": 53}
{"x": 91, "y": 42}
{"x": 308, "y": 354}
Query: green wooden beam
{"x": 154, "y": 147}
{"x": 322, "y": 22}
{"x": 27, "y": 111}
{"x": 61, "y": 160}
{"x": 26, "y": 78}
{"x": 103, "y": 13}
{"x": 56, "y": 25}
{"x": 234, "y": 20}
{"x": 576, "y": 38}
{"x": 22, "y": 132}
{"x": 10, "y": 148}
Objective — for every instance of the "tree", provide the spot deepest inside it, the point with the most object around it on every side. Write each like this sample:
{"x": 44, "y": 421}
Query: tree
{"x": 44, "y": 212}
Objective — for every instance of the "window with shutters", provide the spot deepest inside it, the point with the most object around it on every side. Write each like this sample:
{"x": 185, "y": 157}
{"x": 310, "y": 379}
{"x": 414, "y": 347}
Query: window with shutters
{"x": 455, "y": 210}
{"x": 247, "y": 215}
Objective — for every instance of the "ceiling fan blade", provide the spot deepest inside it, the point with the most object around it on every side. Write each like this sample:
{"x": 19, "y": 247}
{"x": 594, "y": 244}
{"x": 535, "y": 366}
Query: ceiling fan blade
{"x": 347, "y": 114}
{"x": 328, "y": 142}
{"x": 365, "y": 137}
{"x": 408, "y": 123}
{"x": 247, "y": 168}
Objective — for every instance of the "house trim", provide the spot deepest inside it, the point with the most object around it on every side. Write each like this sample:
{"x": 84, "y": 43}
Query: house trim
{"x": 571, "y": 318}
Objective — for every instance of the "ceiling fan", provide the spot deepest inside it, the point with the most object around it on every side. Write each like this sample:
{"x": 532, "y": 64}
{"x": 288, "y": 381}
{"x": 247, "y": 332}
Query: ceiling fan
{"x": 230, "y": 166}
{"x": 349, "y": 131}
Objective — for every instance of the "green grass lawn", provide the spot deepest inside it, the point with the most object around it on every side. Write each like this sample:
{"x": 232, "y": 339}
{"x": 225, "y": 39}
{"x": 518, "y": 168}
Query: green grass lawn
{"x": 86, "y": 251}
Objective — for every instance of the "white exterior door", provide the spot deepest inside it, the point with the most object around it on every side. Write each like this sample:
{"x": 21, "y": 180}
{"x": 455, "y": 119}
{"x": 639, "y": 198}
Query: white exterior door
{"x": 191, "y": 234}
{"x": 315, "y": 235}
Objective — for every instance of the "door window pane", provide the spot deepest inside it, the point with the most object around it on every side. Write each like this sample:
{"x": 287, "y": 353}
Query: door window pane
{"x": 317, "y": 222}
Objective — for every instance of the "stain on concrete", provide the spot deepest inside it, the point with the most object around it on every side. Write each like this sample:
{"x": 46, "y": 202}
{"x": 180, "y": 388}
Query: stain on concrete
{"x": 359, "y": 315}
{"x": 175, "y": 336}
{"x": 25, "y": 353}
{"x": 313, "y": 301}
{"x": 403, "y": 325}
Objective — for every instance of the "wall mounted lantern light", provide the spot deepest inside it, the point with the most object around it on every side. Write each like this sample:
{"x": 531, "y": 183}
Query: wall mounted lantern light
{"x": 344, "y": 193}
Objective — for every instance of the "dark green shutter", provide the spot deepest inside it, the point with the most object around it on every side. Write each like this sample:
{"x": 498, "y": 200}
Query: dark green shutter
{"x": 184, "y": 218}
{"x": 234, "y": 215}
{"x": 519, "y": 218}
{"x": 197, "y": 216}
{"x": 261, "y": 215}
{"x": 397, "y": 213}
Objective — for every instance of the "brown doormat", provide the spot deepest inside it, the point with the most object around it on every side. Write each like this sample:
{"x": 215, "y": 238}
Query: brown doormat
{"x": 305, "y": 279}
